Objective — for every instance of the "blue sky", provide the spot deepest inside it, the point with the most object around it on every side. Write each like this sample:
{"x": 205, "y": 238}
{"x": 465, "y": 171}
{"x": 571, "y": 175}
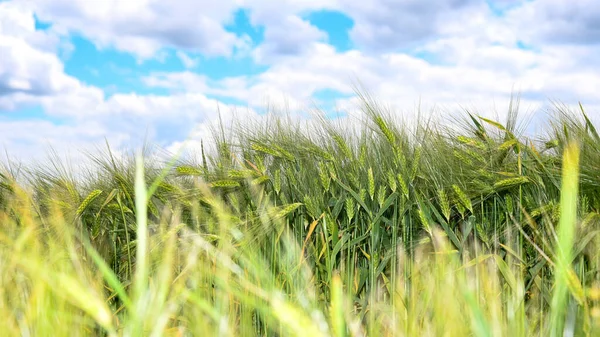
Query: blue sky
{"x": 75, "y": 72}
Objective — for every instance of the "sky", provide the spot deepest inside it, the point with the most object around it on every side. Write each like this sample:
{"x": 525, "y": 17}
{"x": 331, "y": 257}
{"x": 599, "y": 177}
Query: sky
{"x": 77, "y": 73}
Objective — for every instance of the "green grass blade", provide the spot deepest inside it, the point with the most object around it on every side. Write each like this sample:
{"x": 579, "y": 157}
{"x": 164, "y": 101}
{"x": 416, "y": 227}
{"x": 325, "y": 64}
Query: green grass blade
{"x": 566, "y": 235}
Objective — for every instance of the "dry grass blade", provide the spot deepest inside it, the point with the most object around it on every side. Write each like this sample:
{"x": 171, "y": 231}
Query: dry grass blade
{"x": 311, "y": 229}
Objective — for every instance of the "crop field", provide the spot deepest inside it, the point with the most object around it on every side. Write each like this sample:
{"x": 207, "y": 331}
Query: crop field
{"x": 291, "y": 229}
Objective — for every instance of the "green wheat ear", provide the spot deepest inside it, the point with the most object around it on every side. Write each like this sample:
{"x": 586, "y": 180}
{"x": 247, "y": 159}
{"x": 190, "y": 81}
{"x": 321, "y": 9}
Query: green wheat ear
{"x": 444, "y": 203}
{"x": 349, "y": 206}
{"x": 472, "y": 142}
{"x": 387, "y": 132}
{"x": 324, "y": 176}
{"x": 257, "y": 181}
{"x": 463, "y": 198}
{"x": 265, "y": 149}
{"x": 371, "y": 183}
{"x": 277, "y": 181}
{"x": 225, "y": 183}
{"x": 342, "y": 146}
{"x": 416, "y": 163}
{"x": 392, "y": 181}
{"x": 282, "y": 211}
{"x": 381, "y": 194}
{"x": 403, "y": 185}
{"x": 87, "y": 201}
{"x": 511, "y": 182}
{"x": 424, "y": 221}
{"x": 189, "y": 170}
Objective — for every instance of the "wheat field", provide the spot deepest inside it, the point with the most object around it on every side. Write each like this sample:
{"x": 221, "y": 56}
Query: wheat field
{"x": 283, "y": 230}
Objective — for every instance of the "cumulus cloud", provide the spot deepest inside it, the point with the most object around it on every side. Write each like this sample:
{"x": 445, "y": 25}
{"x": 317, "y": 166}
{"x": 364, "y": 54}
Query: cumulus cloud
{"x": 144, "y": 27}
{"x": 395, "y": 24}
{"x": 17, "y": 21}
{"x": 287, "y": 36}
{"x": 29, "y": 141}
{"x": 482, "y": 80}
{"x": 127, "y": 120}
{"x": 177, "y": 81}
{"x": 24, "y": 68}
{"x": 30, "y": 72}
{"x": 558, "y": 22}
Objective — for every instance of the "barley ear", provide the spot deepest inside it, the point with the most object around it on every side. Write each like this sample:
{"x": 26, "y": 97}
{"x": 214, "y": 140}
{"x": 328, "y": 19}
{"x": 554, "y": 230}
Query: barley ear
{"x": 87, "y": 201}
{"x": 371, "y": 183}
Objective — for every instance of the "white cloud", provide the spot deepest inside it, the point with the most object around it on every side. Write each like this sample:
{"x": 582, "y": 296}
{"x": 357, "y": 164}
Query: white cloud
{"x": 176, "y": 81}
{"x": 558, "y": 22}
{"x": 187, "y": 61}
{"x": 478, "y": 77}
{"x": 26, "y": 69}
{"x": 393, "y": 24}
{"x": 279, "y": 42}
{"x": 31, "y": 140}
{"x": 127, "y": 120}
{"x": 143, "y": 27}
{"x": 30, "y": 71}
{"x": 16, "y": 21}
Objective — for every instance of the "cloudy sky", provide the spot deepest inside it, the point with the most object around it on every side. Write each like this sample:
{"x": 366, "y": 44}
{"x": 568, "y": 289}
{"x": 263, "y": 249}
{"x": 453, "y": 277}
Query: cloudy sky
{"x": 73, "y": 72}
